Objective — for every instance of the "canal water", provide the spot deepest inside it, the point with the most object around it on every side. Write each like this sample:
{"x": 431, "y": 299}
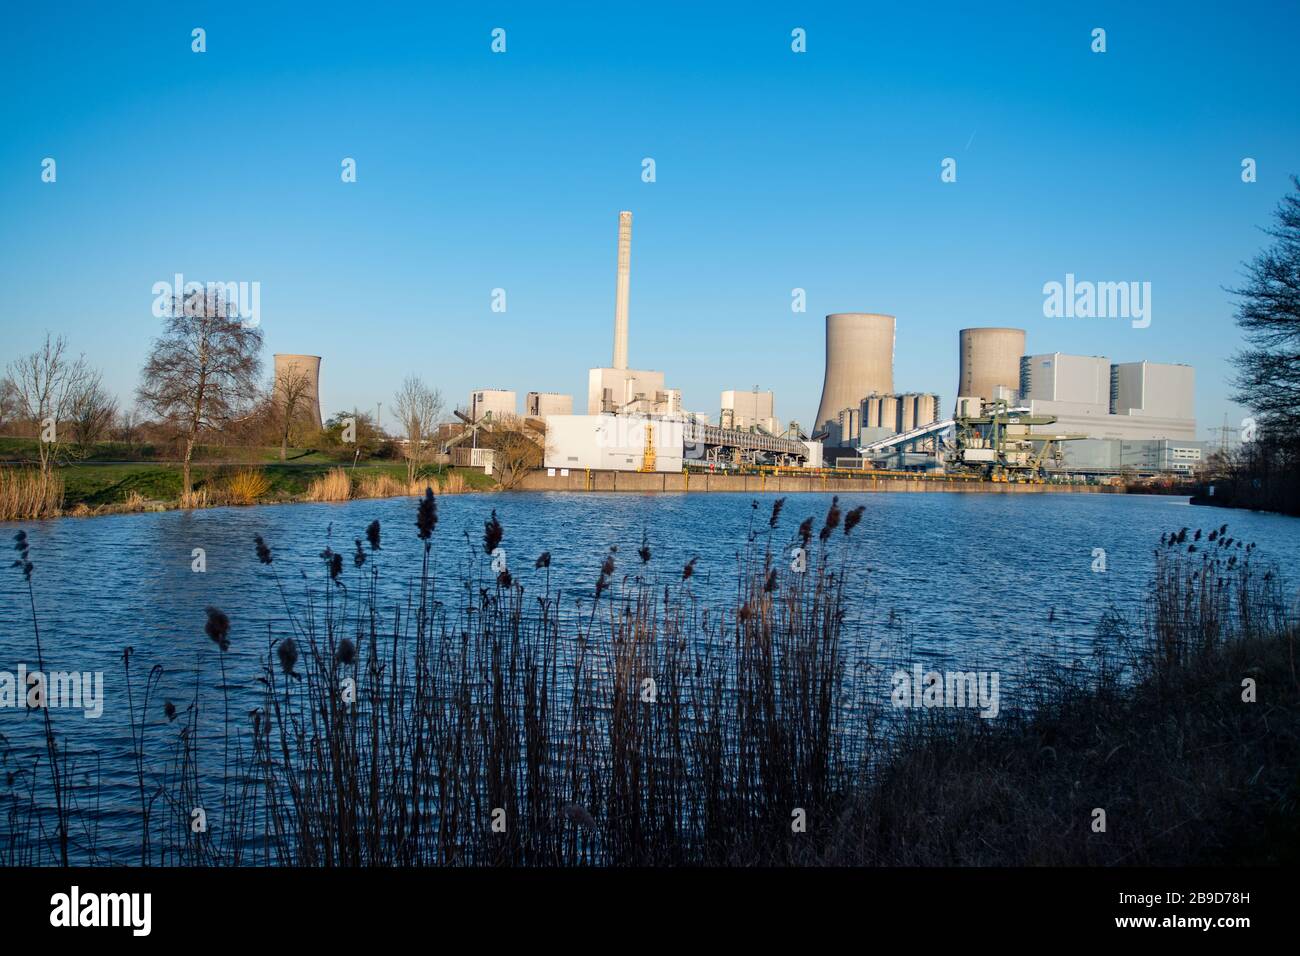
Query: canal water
{"x": 965, "y": 581}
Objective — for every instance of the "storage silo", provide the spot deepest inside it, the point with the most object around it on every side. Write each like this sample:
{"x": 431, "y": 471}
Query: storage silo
{"x": 889, "y": 412}
{"x": 859, "y": 361}
{"x": 927, "y": 409}
{"x": 907, "y": 411}
{"x": 299, "y": 375}
{"x": 989, "y": 358}
{"x": 871, "y": 411}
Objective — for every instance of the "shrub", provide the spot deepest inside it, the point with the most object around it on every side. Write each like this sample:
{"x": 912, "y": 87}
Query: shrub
{"x": 247, "y": 485}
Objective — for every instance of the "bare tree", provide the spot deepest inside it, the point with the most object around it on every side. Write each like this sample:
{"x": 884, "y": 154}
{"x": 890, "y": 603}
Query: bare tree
{"x": 290, "y": 393}
{"x": 9, "y": 410}
{"x": 517, "y": 449}
{"x": 202, "y": 370}
{"x": 128, "y": 426}
{"x": 418, "y": 408}
{"x": 47, "y": 385}
{"x": 93, "y": 411}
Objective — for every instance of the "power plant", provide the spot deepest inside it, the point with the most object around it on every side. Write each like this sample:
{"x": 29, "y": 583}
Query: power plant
{"x": 859, "y": 362}
{"x": 989, "y": 361}
{"x": 299, "y": 375}
{"x": 622, "y": 288}
{"x": 1016, "y": 416}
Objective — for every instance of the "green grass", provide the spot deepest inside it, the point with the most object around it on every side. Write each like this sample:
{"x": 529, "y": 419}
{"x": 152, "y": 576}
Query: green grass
{"x": 94, "y": 484}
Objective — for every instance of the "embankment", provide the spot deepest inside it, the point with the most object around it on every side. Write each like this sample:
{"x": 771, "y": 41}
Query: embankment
{"x": 584, "y": 480}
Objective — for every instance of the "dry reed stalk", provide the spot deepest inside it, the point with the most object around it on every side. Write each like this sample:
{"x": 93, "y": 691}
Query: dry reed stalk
{"x": 332, "y": 486}
{"x": 247, "y": 485}
{"x": 27, "y": 494}
{"x": 382, "y": 485}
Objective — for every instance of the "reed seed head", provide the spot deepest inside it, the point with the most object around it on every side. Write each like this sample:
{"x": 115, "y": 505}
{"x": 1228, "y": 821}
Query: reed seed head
{"x": 287, "y": 652}
{"x": 263, "y": 552}
{"x": 852, "y": 518}
{"x": 346, "y": 652}
{"x": 218, "y": 627}
{"x": 426, "y": 517}
{"x": 492, "y": 533}
{"x": 832, "y": 519}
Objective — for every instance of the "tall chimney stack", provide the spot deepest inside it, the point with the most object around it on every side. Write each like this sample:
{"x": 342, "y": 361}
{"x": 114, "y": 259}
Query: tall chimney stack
{"x": 621, "y": 291}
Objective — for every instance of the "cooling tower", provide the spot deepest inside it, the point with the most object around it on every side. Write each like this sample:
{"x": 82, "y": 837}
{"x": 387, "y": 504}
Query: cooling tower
{"x": 288, "y": 367}
{"x": 621, "y": 288}
{"x": 859, "y": 361}
{"x": 989, "y": 358}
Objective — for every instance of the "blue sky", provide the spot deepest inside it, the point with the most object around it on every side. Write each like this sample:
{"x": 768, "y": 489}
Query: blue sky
{"x": 775, "y": 170}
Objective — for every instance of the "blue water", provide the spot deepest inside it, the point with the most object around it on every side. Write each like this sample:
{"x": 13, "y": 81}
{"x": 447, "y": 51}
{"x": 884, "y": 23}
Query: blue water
{"x": 983, "y": 581}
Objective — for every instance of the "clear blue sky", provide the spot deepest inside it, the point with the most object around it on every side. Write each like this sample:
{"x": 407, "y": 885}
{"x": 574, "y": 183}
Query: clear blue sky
{"x": 775, "y": 170}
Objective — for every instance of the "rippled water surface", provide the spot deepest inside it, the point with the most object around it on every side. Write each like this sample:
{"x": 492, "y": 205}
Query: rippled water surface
{"x": 980, "y": 580}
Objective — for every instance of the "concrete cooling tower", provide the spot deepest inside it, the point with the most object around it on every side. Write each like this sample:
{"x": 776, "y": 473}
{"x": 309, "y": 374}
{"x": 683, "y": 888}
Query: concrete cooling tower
{"x": 859, "y": 361}
{"x": 300, "y": 367}
{"x": 989, "y": 358}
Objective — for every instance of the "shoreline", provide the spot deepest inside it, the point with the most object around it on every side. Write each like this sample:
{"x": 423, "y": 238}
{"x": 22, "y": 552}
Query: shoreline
{"x": 583, "y": 481}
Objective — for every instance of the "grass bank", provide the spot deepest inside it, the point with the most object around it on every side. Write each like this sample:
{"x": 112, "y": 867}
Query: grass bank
{"x": 87, "y": 489}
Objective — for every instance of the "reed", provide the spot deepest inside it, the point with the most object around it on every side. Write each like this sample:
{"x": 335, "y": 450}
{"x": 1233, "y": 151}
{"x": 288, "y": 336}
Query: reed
{"x": 493, "y": 720}
{"x": 334, "y": 485}
{"x": 247, "y": 486}
{"x": 453, "y": 484}
{"x": 382, "y": 485}
{"x": 29, "y": 494}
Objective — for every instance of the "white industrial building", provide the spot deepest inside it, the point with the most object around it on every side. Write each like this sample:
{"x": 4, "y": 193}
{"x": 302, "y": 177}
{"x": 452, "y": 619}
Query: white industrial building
{"x": 1090, "y": 395}
{"x": 542, "y": 404}
{"x": 627, "y": 391}
{"x": 615, "y": 442}
{"x": 749, "y": 409}
{"x": 500, "y": 402}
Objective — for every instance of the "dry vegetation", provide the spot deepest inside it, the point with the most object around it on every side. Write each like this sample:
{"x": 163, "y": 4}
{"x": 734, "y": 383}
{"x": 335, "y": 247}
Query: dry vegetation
{"x": 335, "y": 485}
{"x": 247, "y": 486}
{"x": 641, "y": 726}
{"x": 29, "y": 494}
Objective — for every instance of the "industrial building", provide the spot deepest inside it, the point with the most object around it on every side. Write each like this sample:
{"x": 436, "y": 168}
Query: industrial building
{"x": 541, "y": 404}
{"x": 989, "y": 360}
{"x": 635, "y": 423}
{"x": 883, "y": 415}
{"x": 307, "y": 369}
{"x": 616, "y": 442}
{"x": 749, "y": 409}
{"x": 859, "y": 362}
{"x": 499, "y": 402}
{"x": 1118, "y": 455}
{"x": 1129, "y": 401}
{"x": 618, "y": 389}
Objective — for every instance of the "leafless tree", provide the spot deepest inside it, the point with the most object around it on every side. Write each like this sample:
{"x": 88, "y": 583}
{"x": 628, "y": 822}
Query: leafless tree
{"x": 9, "y": 410}
{"x": 202, "y": 370}
{"x": 418, "y": 408}
{"x": 128, "y": 426}
{"x": 47, "y": 385}
{"x": 517, "y": 449}
{"x": 93, "y": 411}
{"x": 290, "y": 393}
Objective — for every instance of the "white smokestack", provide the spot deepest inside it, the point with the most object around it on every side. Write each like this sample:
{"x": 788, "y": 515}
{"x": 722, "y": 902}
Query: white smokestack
{"x": 621, "y": 289}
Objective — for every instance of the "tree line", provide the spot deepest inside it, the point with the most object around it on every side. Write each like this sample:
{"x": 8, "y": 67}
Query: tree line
{"x": 202, "y": 383}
